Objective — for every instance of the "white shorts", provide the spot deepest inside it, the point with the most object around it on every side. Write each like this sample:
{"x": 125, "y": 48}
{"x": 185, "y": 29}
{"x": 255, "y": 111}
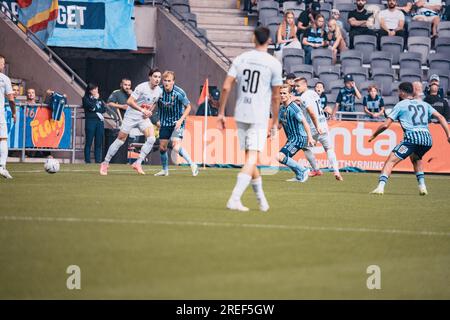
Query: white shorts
{"x": 252, "y": 136}
{"x": 130, "y": 123}
{"x": 323, "y": 138}
{"x": 3, "y": 130}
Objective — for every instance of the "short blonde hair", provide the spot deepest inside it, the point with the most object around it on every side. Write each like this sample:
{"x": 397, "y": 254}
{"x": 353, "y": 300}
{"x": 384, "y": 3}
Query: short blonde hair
{"x": 168, "y": 73}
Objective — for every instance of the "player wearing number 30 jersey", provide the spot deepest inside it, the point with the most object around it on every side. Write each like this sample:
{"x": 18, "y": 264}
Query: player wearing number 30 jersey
{"x": 413, "y": 116}
{"x": 258, "y": 76}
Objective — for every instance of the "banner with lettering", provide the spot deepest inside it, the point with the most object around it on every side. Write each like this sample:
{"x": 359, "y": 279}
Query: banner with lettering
{"x": 41, "y": 131}
{"x": 104, "y": 24}
{"x": 350, "y": 140}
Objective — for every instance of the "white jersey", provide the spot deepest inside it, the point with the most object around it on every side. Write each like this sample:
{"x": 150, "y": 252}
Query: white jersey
{"x": 310, "y": 99}
{"x": 256, "y": 72}
{"x": 5, "y": 89}
{"x": 143, "y": 94}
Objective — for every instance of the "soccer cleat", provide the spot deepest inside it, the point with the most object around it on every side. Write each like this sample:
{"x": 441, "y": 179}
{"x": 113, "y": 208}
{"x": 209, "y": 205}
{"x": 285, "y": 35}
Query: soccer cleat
{"x": 314, "y": 173}
{"x": 194, "y": 169}
{"x": 423, "y": 190}
{"x": 338, "y": 176}
{"x": 305, "y": 175}
{"x": 378, "y": 191}
{"x": 104, "y": 168}
{"x": 236, "y": 205}
{"x": 5, "y": 174}
{"x": 263, "y": 205}
{"x": 137, "y": 166}
{"x": 162, "y": 173}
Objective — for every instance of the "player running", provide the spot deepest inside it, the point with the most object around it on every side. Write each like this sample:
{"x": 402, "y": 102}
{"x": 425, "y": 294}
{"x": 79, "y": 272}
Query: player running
{"x": 5, "y": 90}
{"x": 297, "y": 131}
{"x": 259, "y": 77}
{"x": 173, "y": 109}
{"x": 413, "y": 115}
{"x": 315, "y": 114}
{"x": 140, "y": 106}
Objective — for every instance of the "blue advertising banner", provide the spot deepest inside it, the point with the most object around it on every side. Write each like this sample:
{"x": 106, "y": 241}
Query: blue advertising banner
{"x": 103, "y": 24}
{"x": 41, "y": 131}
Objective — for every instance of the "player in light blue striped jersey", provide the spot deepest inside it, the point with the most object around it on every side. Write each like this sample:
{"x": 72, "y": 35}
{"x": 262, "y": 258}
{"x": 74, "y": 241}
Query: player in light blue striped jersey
{"x": 413, "y": 116}
{"x": 297, "y": 131}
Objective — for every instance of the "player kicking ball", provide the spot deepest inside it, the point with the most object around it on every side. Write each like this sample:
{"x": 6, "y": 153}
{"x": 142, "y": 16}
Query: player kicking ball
{"x": 259, "y": 77}
{"x": 297, "y": 131}
{"x": 173, "y": 109}
{"x": 140, "y": 105}
{"x": 413, "y": 115}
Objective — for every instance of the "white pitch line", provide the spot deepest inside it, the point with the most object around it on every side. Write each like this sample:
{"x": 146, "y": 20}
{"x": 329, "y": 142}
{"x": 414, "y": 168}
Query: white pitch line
{"x": 223, "y": 224}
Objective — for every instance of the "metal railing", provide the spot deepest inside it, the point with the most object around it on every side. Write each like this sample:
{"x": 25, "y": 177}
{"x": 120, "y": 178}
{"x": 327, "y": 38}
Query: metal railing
{"x": 52, "y": 56}
{"x": 194, "y": 30}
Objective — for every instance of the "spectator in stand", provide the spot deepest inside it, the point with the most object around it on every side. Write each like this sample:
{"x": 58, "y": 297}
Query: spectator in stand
{"x": 345, "y": 100}
{"x": 315, "y": 37}
{"x": 118, "y": 98}
{"x": 286, "y": 35}
{"x": 435, "y": 100}
{"x": 392, "y": 22}
{"x": 428, "y": 11}
{"x": 307, "y": 18}
{"x": 290, "y": 80}
{"x": 358, "y": 21}
{"x": 31, "y": 96}
{"x": 320, "y": 90}
{"x": 434, "y": 80}
{"x": 16, "y": 91}
{"x": 213, "y": 105}
{"x": 418, "y": 90}
{"x": 373, "y": 103}
{"x": 94, "y": 127}
{"x": 336, "y": 15}
{"x": 248, "y": 4}
{"x": 335, "y": 39}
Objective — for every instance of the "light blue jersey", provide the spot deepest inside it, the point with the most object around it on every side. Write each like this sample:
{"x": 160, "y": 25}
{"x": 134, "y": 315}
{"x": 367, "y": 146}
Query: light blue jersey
{"x": 414, "y": 116}
{"x": 291, "y": 118}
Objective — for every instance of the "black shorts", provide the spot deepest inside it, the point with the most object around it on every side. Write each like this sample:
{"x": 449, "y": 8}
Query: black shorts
{"x": 168, "y": 133}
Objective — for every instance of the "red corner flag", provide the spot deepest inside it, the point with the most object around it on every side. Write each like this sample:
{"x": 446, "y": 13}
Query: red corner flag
{"x": 205, "y": 93}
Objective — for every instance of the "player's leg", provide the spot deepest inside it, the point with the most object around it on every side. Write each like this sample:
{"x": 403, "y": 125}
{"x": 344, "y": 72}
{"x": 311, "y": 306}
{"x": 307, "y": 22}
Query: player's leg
{"x": 176, "y": 139}
{"x": 309, "y": 155}
{"x": 4, "y": 151}
{"x": 416, "y": 159}
{"x": 331, "y": 155}
{"x": 400, "y": 152}
{"x": 285, "y": 157}
{"x": 164, "y": 157}
{"x": 112, "y": 150}
{"x": 146, "y": 127}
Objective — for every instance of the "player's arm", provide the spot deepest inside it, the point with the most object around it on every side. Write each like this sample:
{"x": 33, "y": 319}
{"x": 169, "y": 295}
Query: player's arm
{"x": 132, "y": 103}
{"x": 308, "y": 131}
{"x": 381, "y": 128}
{"x": 226, "y": 89}
{"x": 12, "y": 105}
{"x": 443, "y": 124}
{"x": 187, "y": 110}
{"x": 117, "y": 105}
{"x": 275, "y": 109}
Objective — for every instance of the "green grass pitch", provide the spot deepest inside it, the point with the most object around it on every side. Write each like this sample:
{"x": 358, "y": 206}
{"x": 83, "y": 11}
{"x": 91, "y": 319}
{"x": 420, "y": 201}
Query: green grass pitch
{"x": 146, "y": 237}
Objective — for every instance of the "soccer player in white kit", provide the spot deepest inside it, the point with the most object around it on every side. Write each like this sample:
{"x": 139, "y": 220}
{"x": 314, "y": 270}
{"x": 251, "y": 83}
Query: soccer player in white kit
{"x": 259, "y": 78}
{"x": 140, "y": 106}
{"x": 5, "y": 90}
{"x": 310, "y": 102}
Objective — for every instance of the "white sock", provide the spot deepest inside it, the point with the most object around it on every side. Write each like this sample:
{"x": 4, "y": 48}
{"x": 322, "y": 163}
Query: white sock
{"x": 3, "y": 152}
{"x": 112, "y": 150}
{"x": 332, "y": 159}
{"x": 146, "y": 148}
{"x": 243, "y": 180}
{"x": 257, "y": 188}
{"x": 311, "y": 159}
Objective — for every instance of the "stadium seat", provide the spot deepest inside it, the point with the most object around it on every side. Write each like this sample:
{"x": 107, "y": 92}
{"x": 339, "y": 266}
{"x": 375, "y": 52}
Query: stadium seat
{"x": 268, "y": 9}
{"x": 385, "y": 77}
{"x": 335, "y": 86}
{"x": 444, "y": 33}
{"x": 292, "y": 56}
{"x": 344, "y": 9}
{"x": 359, "y": 74}
{"x": 374, "y": 1}
{"x": 443, "y": 25}
{"x": 363, "y": 86}
{"x": 351, "y": 58}
{"x": 301, "y": 70}
{"x": 366, "y": 44}
{"x": 321, "y": 57}
{"x": 419, "y": 29}
{"x": 394, "y": 45}
{"x": 444, "y": 78}
{"x": 439, "y": 61}
{"x": 394, "y": 88}
{"x": 273, "y": 28}
{"x": 359, "y": 107}
{"x": 271, "y": 20}
{"x": 381, "y": 59}
{"x": 410, "y": 75}
{"x": 390, "y": 101}
{"x": 180, "y": 6}
{"x": 442, "y": 45}
{"x": 329, "y": 73}
{"x": 331, "y": 97}
{"x": 325, "y": 10}
{"x": 312, "y": 82}
{"x": 421, "y": 45}
{"x": 410, "y": 60}
{"x": 293, "y": 6}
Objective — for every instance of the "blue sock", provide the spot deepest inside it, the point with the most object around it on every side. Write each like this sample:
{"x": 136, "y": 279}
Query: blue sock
{"x": 420, "y": 178}
{"x": 382, "y": 180}
{"x": 185, "y": 155}
{"x": 293, "y": 165}
{"x": 164, "y": 160}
